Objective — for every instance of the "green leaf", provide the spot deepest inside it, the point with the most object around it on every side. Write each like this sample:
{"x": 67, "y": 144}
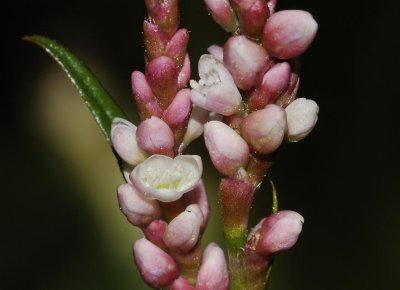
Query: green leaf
{"x": 275, "y": 206}
{"x": 100, "y": 103}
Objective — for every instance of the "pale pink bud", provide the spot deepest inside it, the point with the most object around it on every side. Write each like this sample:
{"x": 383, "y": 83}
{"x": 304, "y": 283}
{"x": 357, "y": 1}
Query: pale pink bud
{"x": 289, "y": 94}
{"x": 183, "y": 231}
{"x": 198, "y": 195}
{"x": 271, "y": 6}
{"x": 156, "y": 267}
{"x": 213, "y": 273}
{"x": 123, "y": 137}
{"x": 216, "y": 90}
{"x": 252, "y": 16}
{"x": 228, "y": 151}
{"x": 162, "y": 76}
{"x": 177, "y": 114}
{"x": 222, "y": 13}
{"x": 264, "y": 129}
{"x": 138, "y": 209}
{"x": 302, "y": 115}
{"x": 144, "y": 97}
{"x": 184, "y": 73}
{"x": 246, "y": 60}
{"x": 196, "y": 123}
{"x": 176, "y": 47}
{"x": 155, "y": 137}
{"x": 155, "y": 231}
{"x": 217, "y": 51}
{"x": 181, "y": 284}
{"x": 274, "y": 82}
{"x": 279, "y": 232}
{"x": 166, "y": 179}
{"x": 165, "y": 13}
{"x": 289, "y": 33}
{"x": 155, "y": 40}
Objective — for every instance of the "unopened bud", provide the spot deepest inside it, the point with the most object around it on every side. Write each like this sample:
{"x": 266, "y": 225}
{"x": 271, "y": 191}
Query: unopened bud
{"x": 228, "y": 151}
{"x": 216, "y": 51}
{"x": 279, "y": 232}
{"x": 156, "y": 267}
{"x": 155, "y": 137}
{"x": 274, "y": 82}
{"x": 302, "y": 115}
{"x": 162, "y": 76}
{"x": 252, "y": 16}
{"x": 177, "y": 114}
{"x": 213, "y": 273}
{"x": 216, "y": 90}
{"x": 289, "y": 33}
{"x": 222, "y": 13}
{"x": 123, "y": 137}
{"x": 165, "y": 13}
{"x": 246, "y": 60}
{"x": 271, "y": 6}
{"x": 181, "y": 284}
{"x": 184, "y": 73}
{"x": 176, "y": 47}
{"x": 198, "y": 195}
{"x": 144, "y": 97}
{"x": 155, "y": 231}
{"x": 196, "y": 124}
{"x": 166, "y": 179}
{"x": 155, "y": 40}
{"x": 289, "y": 94}
{"x": 138, "y": 209}
{"x": 264, "y": 129}
{"x": 183, "y": 231}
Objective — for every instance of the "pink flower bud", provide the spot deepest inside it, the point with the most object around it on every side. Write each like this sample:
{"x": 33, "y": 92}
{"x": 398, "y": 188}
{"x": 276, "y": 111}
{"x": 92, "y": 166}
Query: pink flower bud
{"x": 176, "y": 47}
{"x": 144, "y": 97}
{"x": 246, "y": 60}
{"x": 289, "y": 94}
{"x": 155, "y": 40}
{"x": 216, "y": 51}
{"x": 162, "y": 76}
{"x": 184, "y": 73}
{"x": 271, "y": 6}
{"x": 302, "y": 115}
{"x": 198, "y": 196}
{"x": 123, "y": 137}
{"x": 177, "y": 114}
{"x": 165, "y": 13}
{"x": 274, "y": 82}
{"x": 166, "y": 179}
{"x": 181, "y": 284}
{"x": 196, "y": 123}
{"x": 155, "y": 231}
{"x": 155, "y": 137}
{"x": 156, "y": 267}
{"x": 289, "y": 33}
{"x": 279, "y": 232}
{"x": 264, "y": 129}
{"x": 252, "y": 16}
{"x": 183, "y": 231}
{"x": 138, "y": 209}
{"x": 228, "y": 151}
{"x": 216, "y": 90}
{"x": 213, "y": 273}
{"x": 222, "y": 13}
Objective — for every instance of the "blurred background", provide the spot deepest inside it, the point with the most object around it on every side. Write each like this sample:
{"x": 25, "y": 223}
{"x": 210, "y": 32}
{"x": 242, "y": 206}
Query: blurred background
{"x": 60, "y": 223}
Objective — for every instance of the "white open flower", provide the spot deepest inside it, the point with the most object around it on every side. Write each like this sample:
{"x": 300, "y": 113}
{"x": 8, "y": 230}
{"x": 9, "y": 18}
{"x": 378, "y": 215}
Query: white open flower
{"x": 216, "y": 90}
{"x": 167, "y": 179}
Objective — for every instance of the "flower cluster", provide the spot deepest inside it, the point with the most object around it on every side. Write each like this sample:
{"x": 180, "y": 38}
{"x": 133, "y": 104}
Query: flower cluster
{"x": 245, "y": 103}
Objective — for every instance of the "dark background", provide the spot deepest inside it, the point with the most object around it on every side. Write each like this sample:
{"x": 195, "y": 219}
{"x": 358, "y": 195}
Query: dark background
{"x": 60, "y": 223}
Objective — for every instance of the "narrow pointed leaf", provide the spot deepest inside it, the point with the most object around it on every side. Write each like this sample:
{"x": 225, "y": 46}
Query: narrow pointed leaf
{"x": 100, "y": 103}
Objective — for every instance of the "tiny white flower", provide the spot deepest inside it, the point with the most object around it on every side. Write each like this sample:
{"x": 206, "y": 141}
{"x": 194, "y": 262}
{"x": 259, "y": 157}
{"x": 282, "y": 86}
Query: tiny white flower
{"x": 167, "y": 179}
{"x": 216, "y": 90}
